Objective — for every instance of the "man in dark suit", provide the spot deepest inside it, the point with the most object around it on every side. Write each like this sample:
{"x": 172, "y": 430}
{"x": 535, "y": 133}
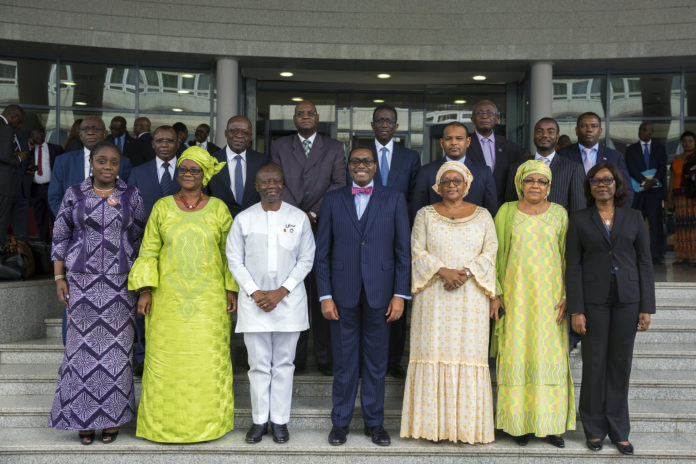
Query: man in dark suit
{"x": 235, "y": 183}
{"x": 454, "y": 142}
{"x": 495, "y": 151}
{"x": 312, "y": 165}
{"x": 641, "y": 156}
{"x": 12, "y": 164}
{"x": 363, "y": 269}
{"x": 119, "y": 135}
{"x": 73, "y": 167}
{"x": 201, "y": 139}
{"x": 182, "y": 135}
{"x": 588, "y": 151}
{"x": 567, "y": 177}
{"x": 140, "y": 151}
{"x": 398, "y": 168}
{"x": 43, "y": 155}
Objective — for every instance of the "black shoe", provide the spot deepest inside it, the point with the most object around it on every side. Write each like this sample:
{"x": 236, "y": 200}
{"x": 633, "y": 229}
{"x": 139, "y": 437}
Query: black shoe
{"x": 396, "y": 371}
{"x": 556, "y": 441}
{"x": 325, "y": 369}
{"x": 280, "y": 432}
{"x": 625, "y": 449}
{"x": 337, "y": 435}
{"x": 379, "y": 435}
{"x": 594, "y": 445}
{"x": 137, "y": 369}
{"x": 521, "y": 440}
{"x": 681, "y": 262}
{"x": 256, "y": 432}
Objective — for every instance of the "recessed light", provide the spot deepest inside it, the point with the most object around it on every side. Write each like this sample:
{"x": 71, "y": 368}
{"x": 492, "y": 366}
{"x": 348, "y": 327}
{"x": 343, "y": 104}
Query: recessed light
{"x": 378, "y": 100}
{"x": 287, "y": 74}
{"x": 459, "y": 102}
{"x": 479, "y": 77}
{"x": 188, "y": 76}
{"x": 177, "y": 110}
{"x": 81, "y": 103}
{"x": 297, "y": 99}
{"x": 68, "y": 83}
{"x": 384, "y": 76}
{"x": 183, "y": 91}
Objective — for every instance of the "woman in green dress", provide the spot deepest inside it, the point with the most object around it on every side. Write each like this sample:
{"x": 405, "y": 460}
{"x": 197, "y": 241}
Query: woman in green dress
{"x": 535, "y": 388}
{"x": 186, "y": 295}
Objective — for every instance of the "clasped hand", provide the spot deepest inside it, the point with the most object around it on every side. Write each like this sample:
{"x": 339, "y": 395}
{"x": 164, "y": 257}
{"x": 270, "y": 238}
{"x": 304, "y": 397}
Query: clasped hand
{"x": 454, "y": 278}
{"x": 269, "y": 299}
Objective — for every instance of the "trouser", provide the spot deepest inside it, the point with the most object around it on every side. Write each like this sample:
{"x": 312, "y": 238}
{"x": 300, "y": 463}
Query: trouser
{"x": 20, "y": 217}
{"x": 139, "y": 349}
{"x": 650, "y": 204}
{"x": 607, "y": 353}
{"x": 397, "y": 337}
{"x": 271, "y": 368}
{"x": 320, "y": 329}
{"x": 42, "y": 211}
{"x": 5, "y": 211}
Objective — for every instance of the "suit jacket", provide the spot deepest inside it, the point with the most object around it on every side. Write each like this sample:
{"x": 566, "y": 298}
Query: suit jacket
{"x": 591, "y": 252}
{"x": 404, "y": 168}
{"x": 146, "y": 179}
{"x": 635, "y": 163}
{"x": 307, "y": 179}
{"x": 374, "y": 254}
{"x": 507, "y": 154}
{"x": 140, "y": 151}
{"x": 68, "y": 170}
{"x": 567, "y": 184}
{"x": 126, "y": 141}
{"x": 28, "y": 179}
{"x": 10, "y": 165}
{"x": 211, "y": 147}
{"x": 604, "y": 154}
{"x": 481, "y": 193}
{"x": 220, "y": 186}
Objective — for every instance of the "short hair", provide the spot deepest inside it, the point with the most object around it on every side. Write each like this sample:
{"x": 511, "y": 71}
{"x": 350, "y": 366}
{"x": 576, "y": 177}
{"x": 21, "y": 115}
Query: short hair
{"x": 240, "y": 117}
{"x": 620, "y": 194}
{"x": 39, "y": 129}
{"x": 269, "y": 167}
{"x": 164, "y": 127}
{"x": 558, "y": 129}
{"x": 13, "y": 109}
{"x": 374, "y": 155}
{"x": 204, "y": 125}
{"x": 455, "y": 124}
{"x": 385, "y": 106}
{"x": 687, "y": 134}
{"x": 179, "y": 127}
{"x": 119, "y": 118}
{"x": 102, "y": 145}
{"x": 588, "y": 113}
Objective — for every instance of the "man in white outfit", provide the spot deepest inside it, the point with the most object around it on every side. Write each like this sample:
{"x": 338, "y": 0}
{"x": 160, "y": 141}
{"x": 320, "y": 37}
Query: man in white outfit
{"x": 270, "y": 251}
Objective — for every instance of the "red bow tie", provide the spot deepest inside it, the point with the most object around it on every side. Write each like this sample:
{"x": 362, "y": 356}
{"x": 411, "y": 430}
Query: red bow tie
{"x": 365, "y": 190}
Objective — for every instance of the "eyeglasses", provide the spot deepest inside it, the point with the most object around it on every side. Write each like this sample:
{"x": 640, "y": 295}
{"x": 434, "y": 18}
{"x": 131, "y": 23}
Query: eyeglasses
{"x": 193, "y": 171}
{"x": 604, "y": 180}
{"x": 388, "y": 122}
{"x": 239, "y": 132}
{"x": 163, "y": 141}
{"x": 456, "y": 181}
{"x": 355, "y": 162}
{"x": 489, "y": 114}
{"x": 299, "y": 114}
{"x": 92, "y": 129}
{"x": 542, "y": 182}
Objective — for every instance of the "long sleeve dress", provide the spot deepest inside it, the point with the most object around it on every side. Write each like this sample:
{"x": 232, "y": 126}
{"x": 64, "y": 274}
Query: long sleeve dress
{"x": 187, "y": 379}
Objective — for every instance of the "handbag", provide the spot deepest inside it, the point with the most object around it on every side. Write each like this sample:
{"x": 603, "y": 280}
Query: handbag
{"x": 17, "y": 257}
{"x": 41, "y": 252}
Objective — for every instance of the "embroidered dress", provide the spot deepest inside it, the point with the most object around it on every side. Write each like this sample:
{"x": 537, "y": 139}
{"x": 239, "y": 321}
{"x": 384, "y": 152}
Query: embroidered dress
{"x": 448, "y": 387}
{"x": 98, "y": 240}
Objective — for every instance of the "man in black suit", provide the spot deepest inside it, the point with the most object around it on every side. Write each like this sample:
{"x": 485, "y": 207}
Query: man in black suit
{"x": 641, "y": 156}
{"x": 454, "y": 142}
{"x": 43, "y": 156}
{"x": 119, "y": 135}
{"x": 201, "y": 139}
{"x": 588, "y": 151}
{"x": 140, "y": 151}
{"x": 182, "y": 135}
{"x": 12, "y": 164}
{"x": 235, "y": 183}
{"x": 567, "y": 177}
{"x": 495, "y": 151}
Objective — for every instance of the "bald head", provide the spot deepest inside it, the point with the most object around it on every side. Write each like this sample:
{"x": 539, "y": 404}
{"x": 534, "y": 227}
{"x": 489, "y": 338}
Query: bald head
{"x": 92, "y": 131}
{"x": 14, "y": 115}
{"x": 272, "y": 168}
{"x": 141, "y": 125}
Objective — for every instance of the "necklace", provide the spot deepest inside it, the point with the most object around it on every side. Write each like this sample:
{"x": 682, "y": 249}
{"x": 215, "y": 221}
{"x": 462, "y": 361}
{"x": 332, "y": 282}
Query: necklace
{"x": 103, "y": 190}
{"x": 607, "y": 222}
{"x": 200, "y": 198}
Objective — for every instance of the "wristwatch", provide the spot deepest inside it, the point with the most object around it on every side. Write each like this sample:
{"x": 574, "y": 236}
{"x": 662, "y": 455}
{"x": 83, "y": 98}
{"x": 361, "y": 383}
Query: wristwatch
{"x": 313, "y": 214}
{"x": 468, "y": 273}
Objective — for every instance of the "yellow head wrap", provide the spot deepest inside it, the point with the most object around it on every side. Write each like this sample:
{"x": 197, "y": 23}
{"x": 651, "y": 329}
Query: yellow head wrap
{"x": 456, "y": 166}
{"x": 531, "y": 167}
{"x": 201, "y": 157}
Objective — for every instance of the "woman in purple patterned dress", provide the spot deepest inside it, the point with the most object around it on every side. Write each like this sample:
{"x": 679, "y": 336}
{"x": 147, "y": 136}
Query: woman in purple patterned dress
{"x": 95, "y": 241}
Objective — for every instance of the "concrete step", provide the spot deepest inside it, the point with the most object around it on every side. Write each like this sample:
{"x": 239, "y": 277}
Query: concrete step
{"x": 655, "y": 356}
{"x": 38, "y": 351}
{"x": 54, "y": 328}
{"x": 310, "y": 446}
{"x": 666, "y": 330}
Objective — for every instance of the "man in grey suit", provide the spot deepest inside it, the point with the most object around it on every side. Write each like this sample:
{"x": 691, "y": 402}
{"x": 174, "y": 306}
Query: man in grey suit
{"x": 312, "y": 165}
{"x": 567, "y": 177}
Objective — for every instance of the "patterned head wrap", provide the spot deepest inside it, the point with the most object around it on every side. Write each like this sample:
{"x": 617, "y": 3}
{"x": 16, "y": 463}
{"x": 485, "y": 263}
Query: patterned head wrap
{"x": 456, "y": 166}
{"x": 531, "y": 167}
{"x": 201, "y": 157}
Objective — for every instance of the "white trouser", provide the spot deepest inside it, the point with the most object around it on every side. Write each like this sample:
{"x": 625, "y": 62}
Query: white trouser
{"x": 271, "y": 367}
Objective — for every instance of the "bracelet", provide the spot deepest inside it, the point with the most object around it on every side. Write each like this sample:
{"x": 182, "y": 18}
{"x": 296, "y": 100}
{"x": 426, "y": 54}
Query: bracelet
{"x": 59, "y": 277}
{"x": 144, "y": 291}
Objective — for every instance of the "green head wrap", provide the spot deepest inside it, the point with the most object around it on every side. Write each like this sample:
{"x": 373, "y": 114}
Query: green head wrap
{"x": 531, "y": 167}
{"x": 201, "y": 157}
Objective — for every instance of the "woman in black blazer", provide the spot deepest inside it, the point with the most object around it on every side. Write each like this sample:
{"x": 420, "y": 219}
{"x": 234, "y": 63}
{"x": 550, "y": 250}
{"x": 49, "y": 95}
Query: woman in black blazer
{"x": 610, "y": 293}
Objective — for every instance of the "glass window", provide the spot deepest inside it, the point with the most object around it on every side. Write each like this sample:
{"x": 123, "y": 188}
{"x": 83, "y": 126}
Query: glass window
{"x": 27, "y": 82}
{"x": 40, "y": 118}
{"x": 645, "y": 95}
{"x": 95, "y": 86}
{"x": 174, "y": 90}
{"x": 690, "y": 91}
{"x": 275, "y": 110}
{"x": 586, "y": 94}
{"x": 624, "y": 133}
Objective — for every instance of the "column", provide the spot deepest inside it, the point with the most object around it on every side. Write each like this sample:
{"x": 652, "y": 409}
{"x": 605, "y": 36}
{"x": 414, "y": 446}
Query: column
{"x": 227, "y": 82}
{"x": 540, "y": 96}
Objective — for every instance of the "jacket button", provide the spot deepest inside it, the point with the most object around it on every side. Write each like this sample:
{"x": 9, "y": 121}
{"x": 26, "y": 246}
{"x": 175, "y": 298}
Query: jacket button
{"x": 616, "y": 268}
{"x": 363, "y": 242}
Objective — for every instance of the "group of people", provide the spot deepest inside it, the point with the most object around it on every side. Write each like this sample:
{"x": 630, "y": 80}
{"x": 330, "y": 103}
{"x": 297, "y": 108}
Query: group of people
{"x": 303, "y": 238}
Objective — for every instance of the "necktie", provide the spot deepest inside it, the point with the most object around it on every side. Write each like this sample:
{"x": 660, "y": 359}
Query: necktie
{"x": 166, "y": 180}
{"x": 307, "y": 145}
{"x": 39, "y": 167}
{"x": 545, "y": 160}
{"x": 238, "y": 180}
{"x": 15, "y": 144}
{"x": 646, "y": 155}
{"x": 488, "y": 154}
{"x": 119, "y": 143}
{"x": 587, "y": 163}
{"x": 384, "y": 168}
{"x": 365, "y": 190}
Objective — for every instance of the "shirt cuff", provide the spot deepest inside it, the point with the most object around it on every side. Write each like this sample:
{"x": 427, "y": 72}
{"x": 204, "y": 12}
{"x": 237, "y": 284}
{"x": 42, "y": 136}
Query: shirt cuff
{"x": 290, "y": 284}
{"x": 403, "y": 296}
{"x": 250, "y": 287}
{"x": 325, "y": 297}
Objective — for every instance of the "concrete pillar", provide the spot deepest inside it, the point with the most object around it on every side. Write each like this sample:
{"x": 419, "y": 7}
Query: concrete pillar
{"x": 227, "y": 83}
{"x": 541, "y": 96}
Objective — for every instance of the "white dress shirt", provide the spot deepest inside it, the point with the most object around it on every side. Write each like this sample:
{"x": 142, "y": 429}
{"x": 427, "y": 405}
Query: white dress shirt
{"x": 45, "y": 177}
{"x": 232, "y": 165}
{"x": 549, "y": 157}
{"x": 203, "y": 145}
{"x": 160, "y": 168}
{"x": 86, "y": 152}
{"x": 310, "y": 138}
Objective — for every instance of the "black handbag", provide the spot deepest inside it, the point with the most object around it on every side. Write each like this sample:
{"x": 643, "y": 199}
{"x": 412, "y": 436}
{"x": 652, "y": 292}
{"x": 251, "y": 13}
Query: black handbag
{"x": 42, "y": 256}
{"x": 12, "y": 266}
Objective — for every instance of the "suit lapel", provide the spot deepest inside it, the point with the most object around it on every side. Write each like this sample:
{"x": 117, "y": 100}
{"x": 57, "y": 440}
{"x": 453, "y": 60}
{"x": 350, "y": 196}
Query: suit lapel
{"x": 372, "y": 208}
{"x": 395, "y": 168}
{"x": 250, "y": 185}
{"x": 601, "y": 154}
{"x": 597, "y": 220}
{"x": 619, "y": 219}
{"x": 316, "y": 152}
{"x": 350, "y": 207}
{"x": 298, "y": 151}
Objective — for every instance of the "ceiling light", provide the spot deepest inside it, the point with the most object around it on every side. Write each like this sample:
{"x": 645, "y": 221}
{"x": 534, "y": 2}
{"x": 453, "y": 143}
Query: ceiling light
{"x": 177, "y": 110}
{"x": 81, "y": 103}
{"x": 286, "y": 74}
{"x": 183, "y": 91}
{"x": 297, "y": 99}
{"x": 378, "y": 100}
{"x": 384, "y": 76}
{"x": 68, "y": 83}
{"x": 459, "y": 102}
{"x": 188, "y": 76}
{"x": 479, "y": 77}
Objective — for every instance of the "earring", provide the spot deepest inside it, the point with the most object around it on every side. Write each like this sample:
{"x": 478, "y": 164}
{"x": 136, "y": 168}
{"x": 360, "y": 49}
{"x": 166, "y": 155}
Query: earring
{"x": 117, "y": 178}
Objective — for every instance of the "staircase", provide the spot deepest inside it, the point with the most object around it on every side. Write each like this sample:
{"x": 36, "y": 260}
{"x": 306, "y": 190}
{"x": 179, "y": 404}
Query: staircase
{"x": 662, "y": 402}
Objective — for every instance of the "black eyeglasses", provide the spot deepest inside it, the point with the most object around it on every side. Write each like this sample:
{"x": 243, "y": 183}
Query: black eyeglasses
{"x": 193, "y": 171}
{"x": 388, "y": 122}
{"x": 355, "y": 162}
{"x": 489, "y": 114}
{"x": 604, "y": 180}
{"x": 239, "y": 132}
{"x": 542, "y": 182}
{"x": 456, "y": 181}
{"x": 163, "y": 141}
{"x": 299, "y": 114}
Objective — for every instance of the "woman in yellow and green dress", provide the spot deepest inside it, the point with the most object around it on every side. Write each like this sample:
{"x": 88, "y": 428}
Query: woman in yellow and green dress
{"x": 535, "y": 388}
{"x": 186, "y": 294}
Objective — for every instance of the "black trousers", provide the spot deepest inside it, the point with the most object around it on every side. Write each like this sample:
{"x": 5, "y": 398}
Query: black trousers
{"x": 607, "y": 353}
{"x": 650, "y": 204}
{"x": 42, "y": 211}
{"x": 319, "y": 327}
{"x": 5, "y": 213}
{"x": 397, "y": 337}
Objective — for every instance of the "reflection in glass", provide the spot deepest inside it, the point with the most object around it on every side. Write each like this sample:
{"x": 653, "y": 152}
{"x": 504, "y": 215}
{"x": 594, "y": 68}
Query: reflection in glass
{"x": 624, "y": 133}
{"x": 171, "y": 90}
{"x": 646, "y": 95}
{"x": 96, "y": 86}
{"x": 573, "y": 96}
{"x": 690, "y": 91}
{"x": 26, "y": 81}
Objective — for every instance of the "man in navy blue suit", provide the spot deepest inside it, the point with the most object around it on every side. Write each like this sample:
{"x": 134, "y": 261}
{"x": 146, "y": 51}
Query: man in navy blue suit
{"x": 363, "y": 269}
{"x": 398, "y": 168}
{"x": 454, "y": 142}
{"x": 13, "y": 161}
{"x": 641, "y": 156}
